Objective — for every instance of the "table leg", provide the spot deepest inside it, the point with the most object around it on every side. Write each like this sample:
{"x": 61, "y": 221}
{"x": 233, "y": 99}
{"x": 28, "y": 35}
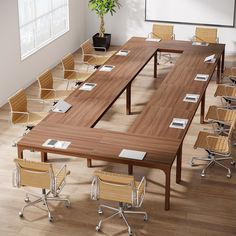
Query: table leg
{"x": 128, "y": 99}
{"x": 44, "y": 156}
{"x": 89, "y": 163}
{"x": 222, "y": 61}
{"x": 218, "y": 79}
{"x": 130, "y": 169}
{"x": 179, "y": 164}
{"x": 167, "y": 189}
{"x": 155, "y": 65}
{"x": 20, "y": 152}
{"x": 202, "y": 108}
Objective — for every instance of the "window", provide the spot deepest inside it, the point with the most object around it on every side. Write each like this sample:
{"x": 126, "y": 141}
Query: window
{"x": 41, "y": 21}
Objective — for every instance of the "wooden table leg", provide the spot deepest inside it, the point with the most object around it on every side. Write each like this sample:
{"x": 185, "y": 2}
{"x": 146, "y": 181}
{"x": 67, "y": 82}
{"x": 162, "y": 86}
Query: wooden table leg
{"x": 44, "y": 156}
{"x": 89, "y": 163}
{"x": 167, "y": 189}
{"x": 128, "y": 99}
{"x": 130, "y": 169}
{"x": 222, "y": 61}
{"x": 179, "y": 164}
{"x": 202, "y": 108}
{"x": 219, "y": 68}
{"x": 155, "y": 65}
{"x": 20, "y": 152}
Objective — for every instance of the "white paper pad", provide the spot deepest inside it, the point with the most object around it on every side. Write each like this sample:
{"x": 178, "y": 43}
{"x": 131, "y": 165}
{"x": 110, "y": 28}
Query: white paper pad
{"x": 61, "y": 107}
{"x": 178, "y": 123}
{"x": 200, "y": 44}
{"x": 201, "y": 77}
{"x": 87, "y": 86}
{"x": 56, "y": 144}
{"x": 132, "y": 154}
{"x": 123, "y": 53}
{"x": 210, "y": 59}
{"x": 153, "y": 39}
{"x": 107, "y": 68}
{"x": 191, "y": 97}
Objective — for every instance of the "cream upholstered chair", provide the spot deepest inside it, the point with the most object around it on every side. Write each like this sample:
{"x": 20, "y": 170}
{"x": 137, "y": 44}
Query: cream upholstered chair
{"x": 218, "y": 148}
{"x": 46, "y": 90}
{"x": 230, "y": 73}
{"x": 72, "y": 74}
{"x": 119, "y": 188}
{"x": 207, "y": 35}
{"x": 19, "y": 114}
{"x": 91, "y": 57}
{"x": 221, "y": 117}
{"x": 227, "y": 94}
{"x": 163, "y": 32}
{"x": 43, "y": 176}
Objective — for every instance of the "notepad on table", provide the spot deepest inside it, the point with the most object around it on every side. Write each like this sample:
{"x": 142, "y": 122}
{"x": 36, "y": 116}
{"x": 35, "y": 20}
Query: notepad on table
{"x": 132, "y": 154}
{"x": 153, "y": 39}
{"x": 56, "y": 144}
{"x": 87, "y": 86}
{"x": 200, "y": 44}
{"x": 178, "y": 123}
{"x": 107, "y": 68}
{"x": 210, "y": 59}
{"x": 123, "y": 53}
{"x": 191, "y": 97}
{"x": 201, "y": 77}
{"x": 61, "y": 107}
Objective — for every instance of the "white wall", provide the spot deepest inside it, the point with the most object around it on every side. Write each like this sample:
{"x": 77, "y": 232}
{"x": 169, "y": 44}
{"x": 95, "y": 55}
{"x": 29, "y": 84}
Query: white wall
{"x": 129, "y": 21}
{"x": 16, "y": 74}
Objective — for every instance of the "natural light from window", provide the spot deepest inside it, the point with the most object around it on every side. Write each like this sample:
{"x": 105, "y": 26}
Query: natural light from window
{"x": 41, "y": 22}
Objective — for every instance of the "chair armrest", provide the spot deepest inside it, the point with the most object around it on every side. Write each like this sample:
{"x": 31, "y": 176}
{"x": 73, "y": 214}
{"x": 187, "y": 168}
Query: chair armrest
{"x": 151, "y": 34}
{"x": 173, "y": 36}
{"x": 141, "y": 188}
{"x": 61, "y": 171}
{"x": 20, "y": 112}
{"x": 46, "y": 89}
{"x": 94, "y": 189}
{"x": 195, "y": 37}
{"x": 77, "y": 71}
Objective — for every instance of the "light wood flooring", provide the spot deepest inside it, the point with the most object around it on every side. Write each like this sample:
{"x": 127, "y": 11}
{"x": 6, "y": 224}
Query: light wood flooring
{"x": 199, "y": 206}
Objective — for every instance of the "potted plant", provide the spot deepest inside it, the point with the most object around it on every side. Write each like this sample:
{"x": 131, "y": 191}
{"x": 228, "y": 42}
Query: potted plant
{"x": 101, "y": 8}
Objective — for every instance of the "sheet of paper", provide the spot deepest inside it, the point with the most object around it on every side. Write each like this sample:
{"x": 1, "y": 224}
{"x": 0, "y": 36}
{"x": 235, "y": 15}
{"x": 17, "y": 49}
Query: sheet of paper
{"x": 132, "y": 154}
{"x": 56, "y": 144}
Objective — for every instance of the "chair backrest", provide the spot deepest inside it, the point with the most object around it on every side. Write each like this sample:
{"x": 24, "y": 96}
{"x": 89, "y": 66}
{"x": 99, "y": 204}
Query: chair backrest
{"x": 18, "y": 103}
{"x": 45, "y": 81}
{"x": 68, "y": 65}
{"x": 87, "y": 50}
{"x": 225, "y": 91}
{"x": 208, "y": 35}
{"x": 115, "y": 187}
{"x": 34, "y": 174}
{"x": 164, "y": 32}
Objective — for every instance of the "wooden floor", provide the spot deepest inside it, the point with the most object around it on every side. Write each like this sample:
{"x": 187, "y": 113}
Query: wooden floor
{"x": 199, "y": 206}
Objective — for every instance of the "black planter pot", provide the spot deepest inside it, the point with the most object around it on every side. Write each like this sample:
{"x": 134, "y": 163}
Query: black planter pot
{"x": 101, "y": 41}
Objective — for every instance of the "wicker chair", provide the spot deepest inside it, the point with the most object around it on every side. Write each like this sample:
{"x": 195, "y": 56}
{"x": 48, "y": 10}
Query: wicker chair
{"x": 72, "y": 74}
{"x": 119, "y": 188}
{"x": 19, "y": 114}
{"x": 218, "y": 148}
{"x": 163, "y": 32}
{"x": 46, "y": 91}
{"x": 91, "y": 57}
{"x": 206, "y": 35}
{"x": 40, "y": 175}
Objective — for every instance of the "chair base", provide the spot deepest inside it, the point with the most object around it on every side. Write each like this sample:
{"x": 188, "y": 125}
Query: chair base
{"x": 121, "y": 212}
{"x": 214, "y": 160}
{"x": 44, "y": 198}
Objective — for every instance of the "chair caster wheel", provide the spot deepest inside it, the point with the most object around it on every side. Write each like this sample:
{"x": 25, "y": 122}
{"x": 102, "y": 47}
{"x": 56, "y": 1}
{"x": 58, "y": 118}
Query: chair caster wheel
{"x": 97, "y": 228}
{"x": 27, "y": 199}
{"x": 203, "y": 174}
{"x": 68, "y": 205}
{"x": 100, "y": 212}
{"x": 21, "y": 214}
{"x": 145, "y": 218}
{"x": 232, "y": 163}
{"x": 50, "y": 218}
{"x": 130, "y": 233}
{"x": 228, "y": 176}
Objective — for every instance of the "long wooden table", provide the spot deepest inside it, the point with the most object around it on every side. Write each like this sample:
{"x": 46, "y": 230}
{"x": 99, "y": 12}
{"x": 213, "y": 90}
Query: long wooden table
{"x": 150, "y": 132}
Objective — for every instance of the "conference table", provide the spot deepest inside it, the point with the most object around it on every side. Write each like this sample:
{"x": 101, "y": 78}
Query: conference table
{"x": 151, "y": 131}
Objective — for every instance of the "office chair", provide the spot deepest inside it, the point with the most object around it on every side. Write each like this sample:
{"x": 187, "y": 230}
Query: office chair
{"x": 221, "y": 118}
{"x": 40, "y": 175}
{"x": 72, "y": 74}
{"x": 218, "y": 148}
{"x": 163, "y": 32}
{"x": 227, "y": 94}
{"x": 205, "y": 35}
{"x": 19, "y": 114}
{"x": 46, "y": 91}
{"x": 119, "y": 188}
{"x": 91, "y": 57}
{"x": 230, "y": 73}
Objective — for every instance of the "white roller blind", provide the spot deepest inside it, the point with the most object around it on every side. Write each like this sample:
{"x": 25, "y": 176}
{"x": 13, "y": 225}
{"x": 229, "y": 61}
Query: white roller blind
{"x": 41, "y": 22}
